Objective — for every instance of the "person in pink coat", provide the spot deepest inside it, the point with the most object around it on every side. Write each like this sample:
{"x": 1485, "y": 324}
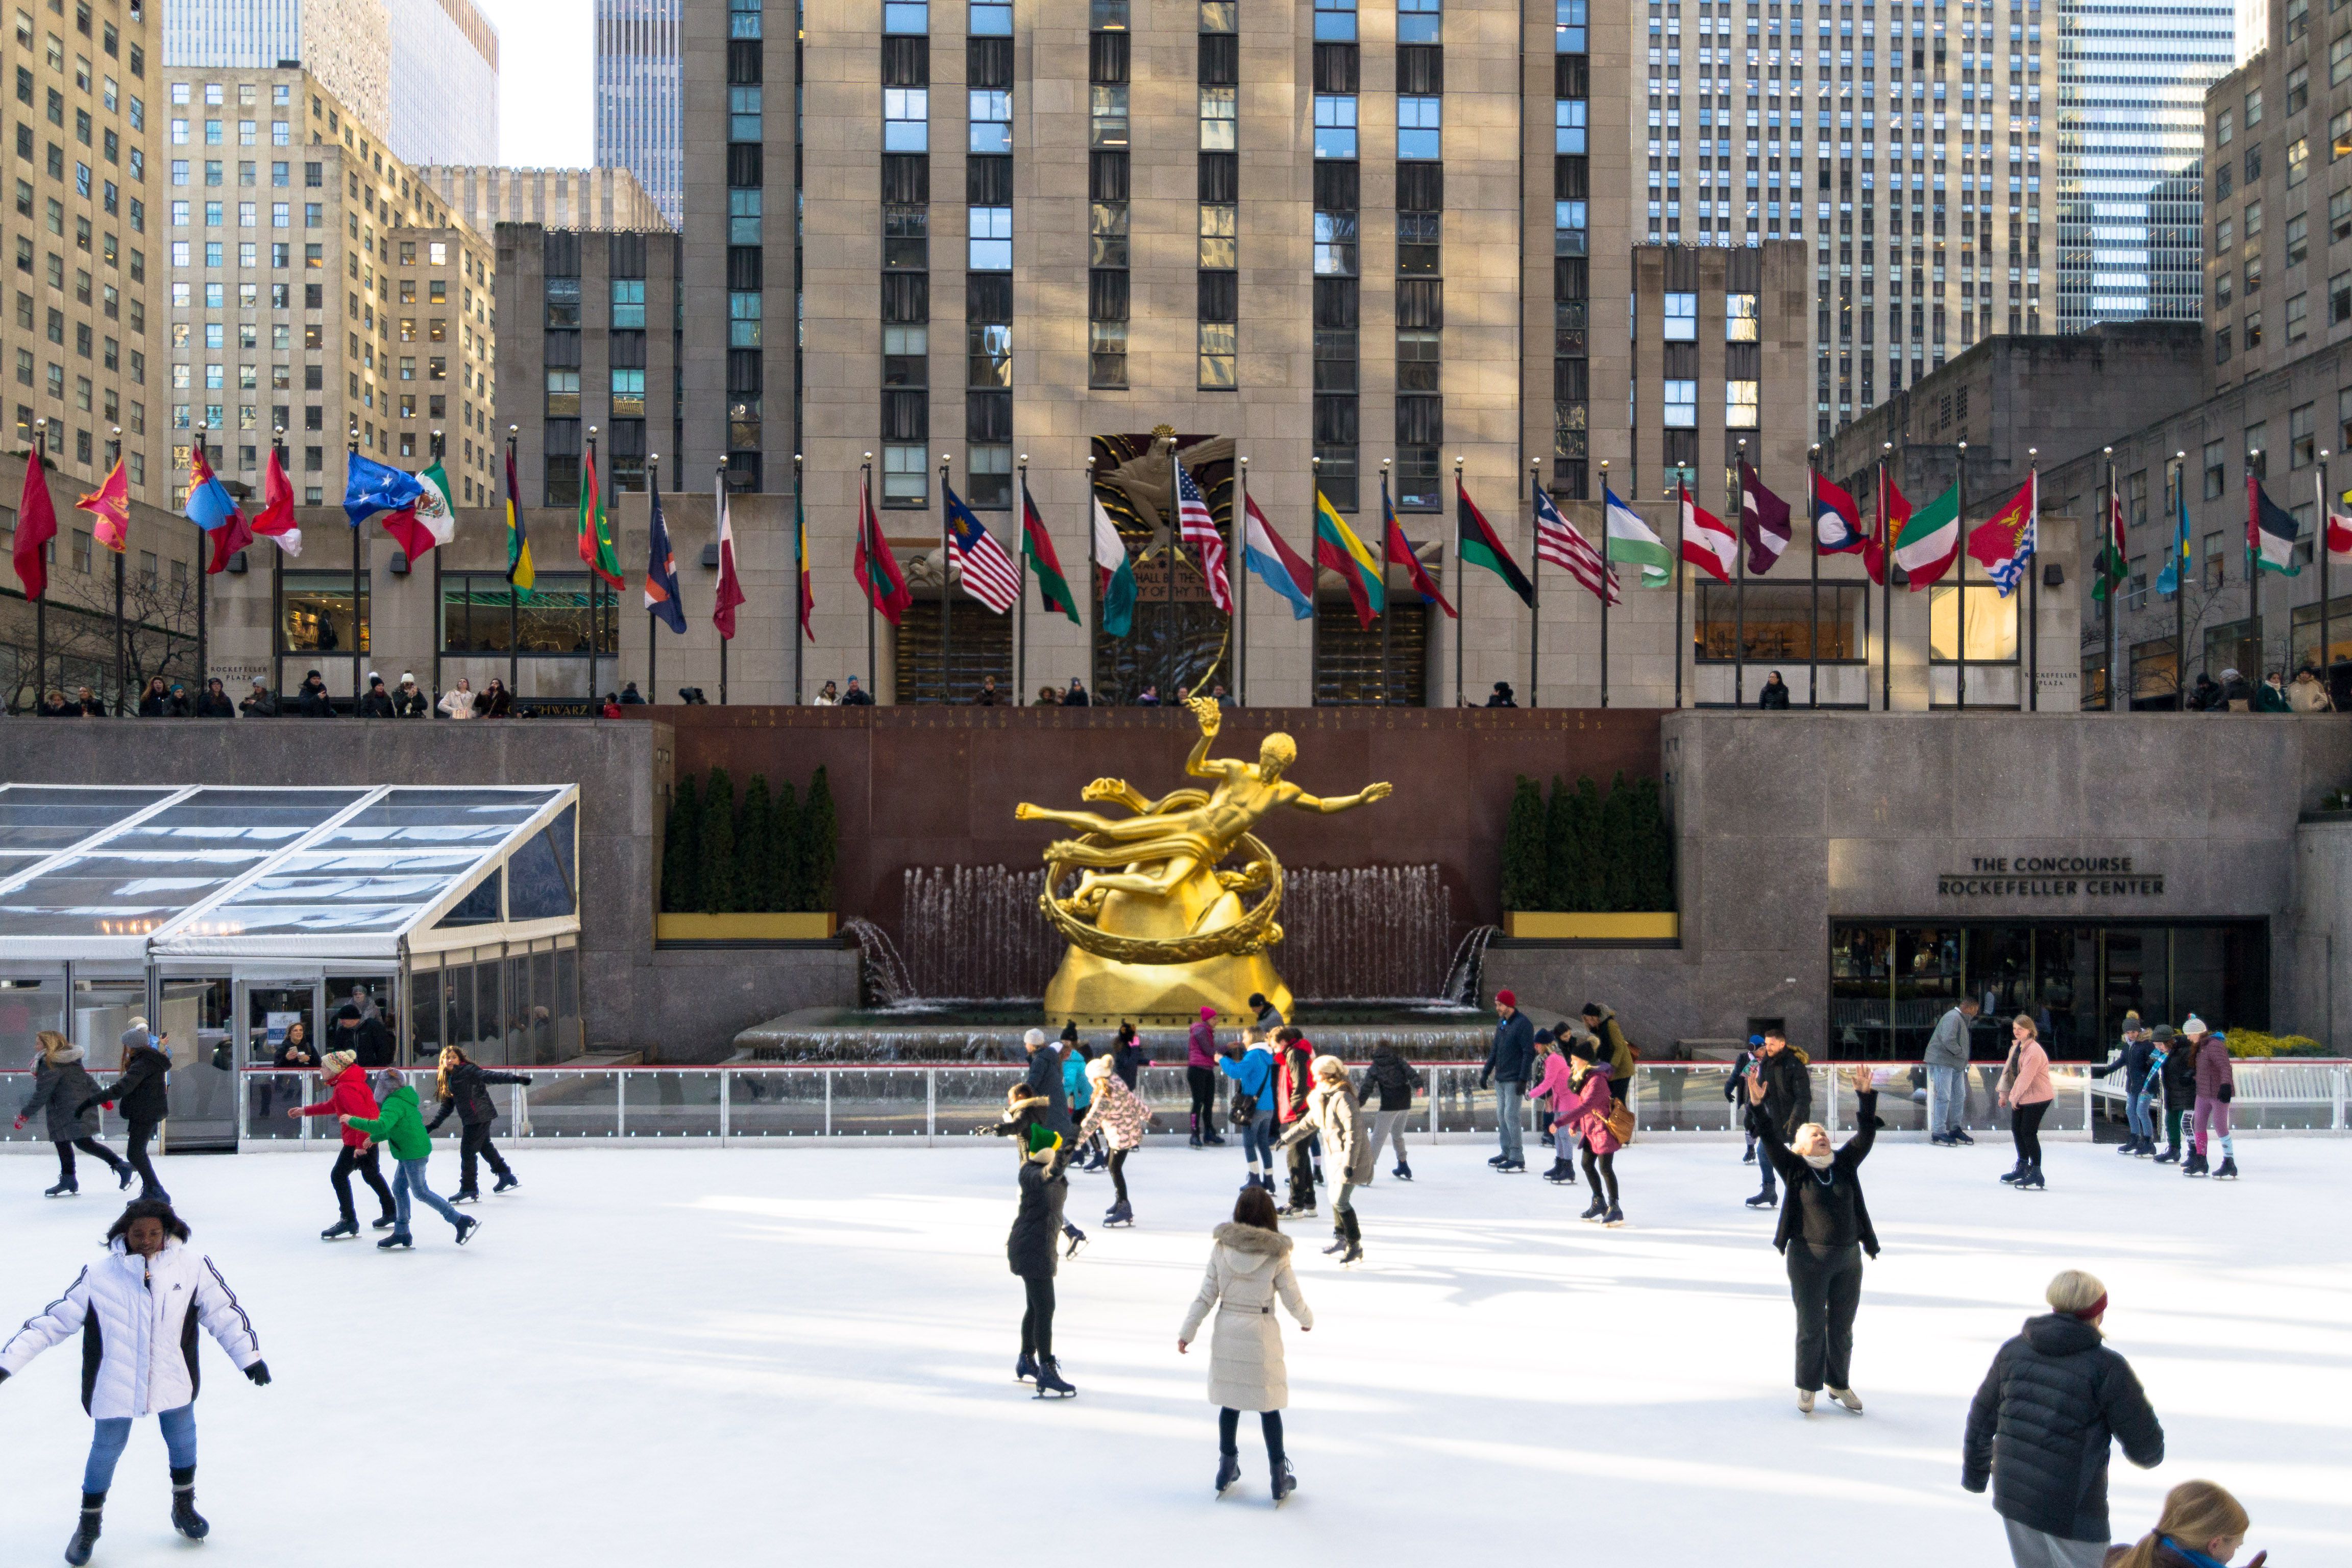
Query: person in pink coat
{"x": 2025, "y": 1088}
{"x": 1581, "y": 1108}
{"x": 2217, "y": 1085}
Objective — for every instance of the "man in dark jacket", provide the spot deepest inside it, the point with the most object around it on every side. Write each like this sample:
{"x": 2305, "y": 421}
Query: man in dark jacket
{"x": 139, "y": 1092}
{"x": 2179, "y": 1079}
{"x": 311, "y": 702}
{"x": 1044, "y": 1081}
{"x": 377, "y": 703}
{"x": 1788, "y": 1102}
{"x": 1510, "y": 1061}
{"x": 1076, "y": 697}
{"x": 2041, "y": 1424}
{"x": 856, "y": 696}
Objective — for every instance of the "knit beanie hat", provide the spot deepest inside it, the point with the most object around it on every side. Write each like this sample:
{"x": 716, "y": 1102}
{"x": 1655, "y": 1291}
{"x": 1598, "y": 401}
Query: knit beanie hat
{"x": 1506, "y": 999}
{"x": 2192, "y": 1025}
{"x": 1099, "y": 1068}
{"x": 335, "y": 1062}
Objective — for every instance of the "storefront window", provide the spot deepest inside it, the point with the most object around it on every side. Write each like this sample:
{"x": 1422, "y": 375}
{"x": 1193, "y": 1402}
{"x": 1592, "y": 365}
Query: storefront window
{"x": 479, "y": 614}
{"x": 319, "y": 618}
{"x": 1991, "y": 629}
{"x": 1778, "y": 620}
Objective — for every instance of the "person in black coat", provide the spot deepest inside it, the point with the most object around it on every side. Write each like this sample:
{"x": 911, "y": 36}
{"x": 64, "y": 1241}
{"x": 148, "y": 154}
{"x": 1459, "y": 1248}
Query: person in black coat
{"x": 1044, "y": 1081}
{"x": 1029, "y": 1248}
{"x": 377, "y": 703}
{"x": 465, "y": 1088}
{"x": 2179, "y": 1078}
{"x": 213, "y": 701}
{"x": 138, "y": 1092}
{"x": 1395, "y": 1079}
{"x": 1824, "y": 1231}
{"x": 2041, "y": 1424}
{"x": 1510, "y": 1062}
{"x": 1787, "y": 1102}
{"x": 1773, "y": 694}
{"x": 313, "y": 701}
{"x": 64, "y": 1095}
{"x": 1127, "y": 1057}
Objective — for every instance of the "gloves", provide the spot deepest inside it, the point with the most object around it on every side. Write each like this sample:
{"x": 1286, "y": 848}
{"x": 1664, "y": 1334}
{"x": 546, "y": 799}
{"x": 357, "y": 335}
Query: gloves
{"x": 1483, "y": 1080}
{"x": 2226, "y": 1093}
{"x": 18, "y": 1124}
{"x": 524, "y": 1078}
{"x": 259, "y": 1374}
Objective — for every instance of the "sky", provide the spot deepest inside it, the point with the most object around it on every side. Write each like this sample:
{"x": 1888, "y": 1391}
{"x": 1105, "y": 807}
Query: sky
{"x": 546, "y": 83}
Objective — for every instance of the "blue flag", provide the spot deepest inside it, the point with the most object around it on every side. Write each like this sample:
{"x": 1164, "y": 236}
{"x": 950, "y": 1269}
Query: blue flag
{"x": 369, "y": 487}
{"x": 2176, "y": 558}
{"x": 209, "y": 505}
{"x": 661, "y": 569}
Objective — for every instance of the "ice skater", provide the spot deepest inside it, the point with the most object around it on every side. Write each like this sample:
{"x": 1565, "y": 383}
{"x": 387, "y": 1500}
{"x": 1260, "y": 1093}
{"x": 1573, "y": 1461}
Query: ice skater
{"x": 2132, "y": 1058}
{"x": 1508, "y": 1061}
{"x": 1293, "y": 1081}
{"x": 2216, "y": 1084}
{"x": 2025, "y": 1088}
{"x": 1585, "y": 1109}
{"x": 2177, "y": 1072}
{"x": 63, "y": 1097}
{"x": 2040, "y": 1426}
{"x": 1079, "y": 1093}
{"x": 1121, "y": 1120}
{"x": 1249, "y": 1062}
{"x": 1549, "y": 1085}
{"x": 464, "y": 1087}
{"x": 401, "y": 1129}
{"x": 1333, "y": 1113}
{"x": 1735, "y": 1091}
{"x": 2202, "y": 1526}
{"x": 1779, "y": 1091}
{"x": 135, "y": 1311}
{"x": 348, "y": 1096}
{"x": 1249, "y": 1269}
{"x": 1044, "y": 1081}
{"x": 1396, "y": 1080}
{"x": 1201, "y": 1076}
{"x": 138, "y": 1092}
{"x": 1824, "y": 1231}
{"x": 1029, "y": 1249}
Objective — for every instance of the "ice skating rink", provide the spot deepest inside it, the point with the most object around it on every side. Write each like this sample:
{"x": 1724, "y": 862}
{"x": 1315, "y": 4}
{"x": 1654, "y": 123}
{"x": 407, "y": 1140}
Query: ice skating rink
{"x": 657, "y": 1357}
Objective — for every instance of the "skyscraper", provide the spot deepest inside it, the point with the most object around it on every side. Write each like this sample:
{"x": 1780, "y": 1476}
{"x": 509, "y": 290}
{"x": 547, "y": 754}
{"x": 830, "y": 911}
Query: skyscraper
{"x": 640, "y": 84}
{"x": 444, "y": 83}
{"x": 2132, "y": 82}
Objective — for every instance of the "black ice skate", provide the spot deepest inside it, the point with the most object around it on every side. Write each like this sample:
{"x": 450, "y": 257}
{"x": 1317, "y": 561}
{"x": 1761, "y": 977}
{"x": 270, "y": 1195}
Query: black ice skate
{"x": 1403, "y": 1173}
{"x": 1559, "y": 1172}
{"x": 1120, "y": 1215}
{"x": 2171, "y": 1155}
{"x": 2030, "y": 1181}
{"x": 2196, "y": 1166}
{"x": 507, "y": 1184}
{"x": 1339, "y": 1236}
{"x": 1284, "y": 1483}
{"x": 1025, "y": 1369}
{"x": 1229, "y": 1470}
{"x": 1077, "y": 1238}
{"x": 397, "y": 1238}
{"x": 466, "y": 1195}
{"x": 1051, "y": 1384}
{"x": 1614, "y": 1217}
{"x": 66, "y": 1189}
{"x": 1355, "y": 1253}
{"x": 385, "y": 1222}
{"x": 342, "y": 1227}
{"x": 85, "y": 1535}
{"x": 466, "y": 1226}
{"x": 1598, "y": 1207}
{"x": 2228, "y": 1169}
{"x": 184, "y": 1517}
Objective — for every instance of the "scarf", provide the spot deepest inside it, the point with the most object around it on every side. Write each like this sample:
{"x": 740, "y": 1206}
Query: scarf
{"x": 2200, "y": 1559}
{"x": 1819, "y": 1161}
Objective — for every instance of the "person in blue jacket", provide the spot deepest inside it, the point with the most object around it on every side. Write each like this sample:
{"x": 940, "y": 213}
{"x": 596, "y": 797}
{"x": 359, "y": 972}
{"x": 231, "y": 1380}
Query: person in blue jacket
{"x": 1250, "y": 1064}
{"x": 1079, "y": 1092}
{"x": 2136, "y": 1057}
{"x": 1509, "y": 1062}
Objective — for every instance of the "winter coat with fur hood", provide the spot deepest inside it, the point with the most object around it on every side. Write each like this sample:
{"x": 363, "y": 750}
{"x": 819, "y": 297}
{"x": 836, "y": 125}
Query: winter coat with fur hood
{"x": 1123, "y": 1117}
{"x": 1333, "y": 1111}
{"x": 63, "y": 1089}
{"x": 1249, "y": 1268}
{"x": 137, "y": 1317}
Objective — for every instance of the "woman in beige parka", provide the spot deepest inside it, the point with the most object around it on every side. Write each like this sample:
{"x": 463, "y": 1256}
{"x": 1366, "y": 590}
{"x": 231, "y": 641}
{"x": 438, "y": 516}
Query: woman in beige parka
{"x": 1248, "y": 1268}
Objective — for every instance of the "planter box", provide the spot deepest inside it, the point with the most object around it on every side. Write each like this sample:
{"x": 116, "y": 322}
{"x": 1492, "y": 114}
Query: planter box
{"x": 745, "y": 928}
{"x": 1537, "y": 926}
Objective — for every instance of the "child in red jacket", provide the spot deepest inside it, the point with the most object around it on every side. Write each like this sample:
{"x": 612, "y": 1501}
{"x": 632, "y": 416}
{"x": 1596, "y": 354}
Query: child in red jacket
{"x": 349, "y": 1096}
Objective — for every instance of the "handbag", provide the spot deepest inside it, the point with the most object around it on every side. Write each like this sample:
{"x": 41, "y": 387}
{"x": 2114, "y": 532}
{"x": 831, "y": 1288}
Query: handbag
{"x": 1619, "y": 1121}
{"x": 1245, "y": 1109}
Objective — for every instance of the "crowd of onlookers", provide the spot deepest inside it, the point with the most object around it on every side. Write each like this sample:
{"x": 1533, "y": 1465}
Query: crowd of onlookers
{"x": 2306, "y": 693}
{"x": 172, "y": 699}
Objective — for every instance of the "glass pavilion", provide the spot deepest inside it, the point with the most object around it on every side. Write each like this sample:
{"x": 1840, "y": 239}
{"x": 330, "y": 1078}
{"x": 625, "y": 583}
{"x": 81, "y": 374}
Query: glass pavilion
{"x": 229, "y": 915}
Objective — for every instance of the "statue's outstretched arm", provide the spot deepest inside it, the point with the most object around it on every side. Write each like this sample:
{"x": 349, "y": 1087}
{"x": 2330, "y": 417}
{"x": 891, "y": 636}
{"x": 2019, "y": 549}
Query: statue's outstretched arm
{"x": 1211, "y": 717}
{"x": 1364, "y": 796}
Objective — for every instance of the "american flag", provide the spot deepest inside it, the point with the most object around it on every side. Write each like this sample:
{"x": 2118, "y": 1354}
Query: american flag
{"x": 1200, "y": 529}
{"x": 1558, "y": 542}
{"x": 988, "y": 572}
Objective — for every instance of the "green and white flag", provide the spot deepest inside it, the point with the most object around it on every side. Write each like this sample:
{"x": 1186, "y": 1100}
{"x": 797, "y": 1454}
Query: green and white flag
{"x": 1630, "y": 542}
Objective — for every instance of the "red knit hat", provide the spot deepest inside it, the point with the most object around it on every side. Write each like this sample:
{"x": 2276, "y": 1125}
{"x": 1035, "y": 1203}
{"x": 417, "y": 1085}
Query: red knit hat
{"x": 1207, "y": 1011}
{"x": 1506, "y": 999}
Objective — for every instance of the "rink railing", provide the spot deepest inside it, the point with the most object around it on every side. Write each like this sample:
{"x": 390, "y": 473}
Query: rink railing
{"x": 748, "y": 1103}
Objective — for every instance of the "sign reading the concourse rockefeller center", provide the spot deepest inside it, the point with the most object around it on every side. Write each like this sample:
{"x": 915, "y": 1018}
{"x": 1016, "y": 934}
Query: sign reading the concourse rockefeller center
{"x": 2049, "y": 876}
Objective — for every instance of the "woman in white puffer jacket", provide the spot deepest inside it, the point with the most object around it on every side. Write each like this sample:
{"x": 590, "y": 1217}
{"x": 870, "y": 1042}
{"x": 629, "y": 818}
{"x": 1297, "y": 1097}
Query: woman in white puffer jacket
{"x": 136, "y": 1312}
{"x": 1249, "y": 1271}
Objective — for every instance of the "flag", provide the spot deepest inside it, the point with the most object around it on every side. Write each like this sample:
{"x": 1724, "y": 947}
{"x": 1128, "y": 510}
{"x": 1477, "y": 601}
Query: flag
{"x": 1199, "y": 529}
{"x": 2339, "y": 539}
{"x": 1894, "y": 512}
{"x": 1930, "y": 539}
{"x": 2109, "y": 571}
{"x": 2176, "y": 565}
{"x": 1564, "y": 547}
{"x": 1476, "y": 541}
{"x": 989, "y": 574}
{"x": 369, "y": 487}
{"x": 276, "y": 519}
{"x": 1837, "y": 519}
{"x": 37, "y": 524}
{"x": 2270, "y": 532}
{"x": 1708, "y": 544}
{"x": 807, "y": 583}
{"x": 661, "y": 563}
{"x": 1277, "y": 566}
{"x": 593, "y": 531}
{"x": 1037, "y": 553}
{"x": 228, "y": 541}
{"x": 1632, "y": 542}
{"x": 876, "y": 569}
{"x": 1396, "y": 547}
{"x": 1763, "y": 522}
{"x": 520, "y": 574}
{"x": 2004, "y": 542}
{"x": 1336, "y": 549}
{"x": 211, "y": 508}
{"x": 731, "y": 587}
{"x": 427, "y": 522}
{"x": 110, "y": 505}
{"x": 1115, "y": 583}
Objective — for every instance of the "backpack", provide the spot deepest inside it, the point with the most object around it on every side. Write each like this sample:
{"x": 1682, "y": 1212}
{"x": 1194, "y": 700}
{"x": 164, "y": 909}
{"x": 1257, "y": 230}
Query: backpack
{"x": 1621, "y": 1121}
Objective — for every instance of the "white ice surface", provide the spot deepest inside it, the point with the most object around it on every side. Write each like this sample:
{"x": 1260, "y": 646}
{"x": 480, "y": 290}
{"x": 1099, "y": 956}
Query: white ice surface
{"x": 805, "y": 1356}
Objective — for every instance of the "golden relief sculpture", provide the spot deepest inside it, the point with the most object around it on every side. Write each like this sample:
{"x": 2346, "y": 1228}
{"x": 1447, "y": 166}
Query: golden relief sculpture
{"x": 1158, "y": 927}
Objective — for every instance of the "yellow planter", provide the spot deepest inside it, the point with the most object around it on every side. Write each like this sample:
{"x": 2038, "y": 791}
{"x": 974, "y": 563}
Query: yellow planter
{"x": 1665, "y": 926}
{"x": 744, "y": 928}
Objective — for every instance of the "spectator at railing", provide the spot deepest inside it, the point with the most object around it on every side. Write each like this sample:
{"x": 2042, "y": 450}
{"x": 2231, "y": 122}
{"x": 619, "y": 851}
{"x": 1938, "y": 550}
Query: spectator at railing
{"x": 260, "y": 702}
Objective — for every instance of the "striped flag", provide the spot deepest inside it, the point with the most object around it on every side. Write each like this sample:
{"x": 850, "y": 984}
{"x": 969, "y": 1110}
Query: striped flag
{"x": 1200, "y": 530}
{"x": 1116, "y": 583}
{"x": 876, "y": 569}
{"x": 1480, "y": 545}
{"x": 730, "y": 586}
{"x": 1277, "y": 566}
{"x": 520, "y": 574}
{"x": 1706, "y": 543}
{"x": 989, "y": 574}
{"x": 1560, "y": 543}
{"x": 2005, "y": 542}
{"x": 2270, "y": 532}
{"x": 1763, "y": 520}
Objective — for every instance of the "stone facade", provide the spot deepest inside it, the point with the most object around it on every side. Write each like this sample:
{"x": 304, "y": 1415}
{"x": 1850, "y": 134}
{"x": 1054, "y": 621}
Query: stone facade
{"x": 485, "y": 196}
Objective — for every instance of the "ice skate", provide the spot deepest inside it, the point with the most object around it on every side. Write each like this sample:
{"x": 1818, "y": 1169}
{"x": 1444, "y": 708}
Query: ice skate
{"x": 1500, "y": 1160}
{"x": 397, "y": 1238}
{"x": 66, "y": 1189}
{"x": 1025, "y": 1369}
{"x": 85, "y": 1535}
{"x": 2171, "y": 1155}
{"x": 1229, "y": 1470}
{"x": 2228, "y": 1169}
{"x": 1961, "y": 1134}
{"x": 123, "y": 1174}
{"x": 386, "y": 1222}
{"x": 1804, "y": 1402}
{"x": 1614, "y": 1217}
{"x": 1547, "y": 1141}
{"x": 1848, "y": 1398}
{"x": 1214, "y": 1138}
{"x": 1355, "y": 1235}
{"x": 1077, "y": 1238}
{"x": 2196, "y": 1166}
{"x": 1403, "y": 1173}
{"x": 1284, "y": 1483}
{"x": 1196, "y": 1140}
{"x": 184, "y": 1517}
{"x": 2014, "y": 1175}
{"x": 1513, "y": 1167}
{"x": 1595, "y": 1209}
{"x": 1764, "y": 1201}
{"x": 339, "y": 1229}
{"x": 1558, "y": 1173}
{"x": 1945, "y": 1141}
{"x": 1750, "y": 1157}
{"x": 466, "y": 1195}
{"x": 505, "y": 1184}
{"x": 1051, "y": 1384}
{"x": 1120, "y": 1215}
{"x": 466, "y": 1226}
{"x": 2030, "y": 1181}
{"x": 1339, "y": 1240}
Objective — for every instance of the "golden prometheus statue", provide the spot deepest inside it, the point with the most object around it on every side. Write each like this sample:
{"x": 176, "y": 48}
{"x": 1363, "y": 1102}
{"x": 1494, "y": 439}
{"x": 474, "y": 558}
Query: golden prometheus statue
{"x": 1156, "y": 929}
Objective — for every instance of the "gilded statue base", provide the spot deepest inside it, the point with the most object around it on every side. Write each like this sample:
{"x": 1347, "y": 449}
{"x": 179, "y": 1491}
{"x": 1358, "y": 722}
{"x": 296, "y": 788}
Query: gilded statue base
{"x": 1099, "y": 992}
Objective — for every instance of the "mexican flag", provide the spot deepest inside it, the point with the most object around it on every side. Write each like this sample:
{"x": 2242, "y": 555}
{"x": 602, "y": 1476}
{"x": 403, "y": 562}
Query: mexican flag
{"x": 426, "y": 522}
{"x": 1631, "y": 542}
{"x": 2109, "y": 571}
{"x": 1930, "y": 539}
{"x": 594, "y": 532}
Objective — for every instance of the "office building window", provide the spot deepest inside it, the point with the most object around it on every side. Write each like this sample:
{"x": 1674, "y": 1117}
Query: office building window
{"x": 990, "y": 231}
{"x": 1420, "y": 123}
{"x": 1335, "y": 21}
{"x": 1681, "y": 404}
{"x": 1681, "y": 319}
{"x": 992, "y": 121}
{"x": 1335, "y": 123}
{"x": 905, "y": 119}
{"x": 906, "y": 476}
{"x": 1568, "y": 125}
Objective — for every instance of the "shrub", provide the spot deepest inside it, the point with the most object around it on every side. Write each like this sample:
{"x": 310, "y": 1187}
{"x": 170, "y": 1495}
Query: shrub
{"x": 790, "y": 892}
{"x": 1526, "y": 884}
{"x": 756, "y": 856}
{"x": 820, "y": 843}
{"x": 2254, "y": 1042}
{"x": 722, "y": 886}
{"x": 681, "y": 886}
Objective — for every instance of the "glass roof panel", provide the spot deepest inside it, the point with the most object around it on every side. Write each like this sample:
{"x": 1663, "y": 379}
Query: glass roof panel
{"x": 424, "y": 817}
{"x": 42, "y": 819}
{"x": 319, "y": 890}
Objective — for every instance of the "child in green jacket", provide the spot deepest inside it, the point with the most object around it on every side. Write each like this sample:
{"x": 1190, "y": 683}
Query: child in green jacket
{"x": 400, "y": 1127}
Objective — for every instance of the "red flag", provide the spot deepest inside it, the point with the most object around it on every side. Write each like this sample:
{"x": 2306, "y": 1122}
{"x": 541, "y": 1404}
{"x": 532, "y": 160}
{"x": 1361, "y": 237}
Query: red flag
{"x": 730, "y": 590}
{"x": 37, "y": 524}
{"x": 1399, "y": 549}
{"x": 228, "y": 540}
{"x": 276, "y": 518}
{"x": 111, "y": 504}
{"x": 1893, "y": 511}
{"x": 876, "y": 568}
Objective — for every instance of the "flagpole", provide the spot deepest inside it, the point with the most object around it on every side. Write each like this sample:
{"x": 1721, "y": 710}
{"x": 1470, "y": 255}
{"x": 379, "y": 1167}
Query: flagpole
{"x": 122, "y": 669}
{"x": 2178, "y": 550}
{"x": 2033, "y": 586}
{"x": 1461, "y": 594}
{"x": 1385, "y": 616}
{"x": 866, "y": 485}
{"x": 1314, "y": 590}
{"x": 41, "y": 605}
{"x": 352, "y": 455}
{"x": 653, "y": 643}
{"x": 595, "y": 541}
{"x": 440, "y": 442}
{"x": 800, "y": 581}
{"x": 1535, "y": 579}
{"x": 1739, "y": 596}
{"x": 947, "y": 608}
{"x": 723, "y": 639}
{"x": 1886, "y": 585}
{"x": 1175, "y": 556}
{"x": 202, "y": 551}
{"x": 2253, "y": 565}
{"x": 1094, "y": 585}
{"x": 1813, "y": 527}
{"x": 2107, "y": 603}
{"x": 1680, "y": 650}
{"x": 1237, "y": 567}
{"x": 1961, "y": 621}
{"x": 1020, "y": 611}
{"x": 2327, "y": 684}
{"x": 1604, "y": 572}
{"x": 514, "y": 594}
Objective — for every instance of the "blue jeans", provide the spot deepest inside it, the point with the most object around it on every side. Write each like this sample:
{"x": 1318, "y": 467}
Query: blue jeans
{"x": 2141, "y": 1118}
{"x": 1257, "y": 1140}
{"x": 1948, "y": 1099}
{"x": 408, "y": 1178}
{"x": 1508, "y": 1096}
{"x": 109, "y": 1435}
